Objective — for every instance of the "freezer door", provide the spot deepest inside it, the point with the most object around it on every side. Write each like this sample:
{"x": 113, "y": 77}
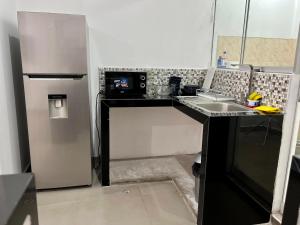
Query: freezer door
{"x": 52, "y": 43}
{"x": 58, "y": 118}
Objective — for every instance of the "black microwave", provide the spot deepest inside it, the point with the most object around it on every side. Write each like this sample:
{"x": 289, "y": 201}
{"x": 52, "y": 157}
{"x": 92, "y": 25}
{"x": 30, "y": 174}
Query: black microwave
{"x": 125, "y": 84}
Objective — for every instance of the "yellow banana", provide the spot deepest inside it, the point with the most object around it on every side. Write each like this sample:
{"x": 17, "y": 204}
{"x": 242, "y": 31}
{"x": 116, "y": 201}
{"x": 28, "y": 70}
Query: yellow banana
{"x": 268, "y": 109}
{"x": 257, "y": 97}
{"x": 252, "y": 96}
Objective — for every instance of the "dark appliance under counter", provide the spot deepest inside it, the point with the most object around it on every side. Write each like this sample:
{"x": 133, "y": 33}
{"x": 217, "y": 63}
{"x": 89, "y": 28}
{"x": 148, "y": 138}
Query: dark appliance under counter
{"x": 240, "y": 172}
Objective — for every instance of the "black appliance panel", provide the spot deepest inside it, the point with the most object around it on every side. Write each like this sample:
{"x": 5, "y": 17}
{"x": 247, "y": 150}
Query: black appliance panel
{"x": 189, "y": 90}
{"x": 225, "y": 201}
{"x": 255, "y": 156}
{"x": 174, "y": 83}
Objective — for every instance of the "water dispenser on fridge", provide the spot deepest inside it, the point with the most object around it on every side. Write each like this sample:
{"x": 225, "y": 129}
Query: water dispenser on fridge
{"x": 58, "y": 107}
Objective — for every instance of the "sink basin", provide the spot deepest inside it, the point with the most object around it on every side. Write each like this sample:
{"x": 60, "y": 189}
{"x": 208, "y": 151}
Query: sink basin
{"x": 216, "y": 97}
{"x": 222, "y": 107}
{"x": 193, "y": 99}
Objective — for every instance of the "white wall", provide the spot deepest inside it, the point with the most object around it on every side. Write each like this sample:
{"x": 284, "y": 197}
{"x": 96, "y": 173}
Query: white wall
{"x": 139, "y": 33}
{"x": 9, "y": 144}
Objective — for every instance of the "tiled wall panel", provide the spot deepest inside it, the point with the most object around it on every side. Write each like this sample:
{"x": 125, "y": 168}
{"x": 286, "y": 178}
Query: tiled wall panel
{"x": 233, "y": 83}
{"x": 156, "y": 77}
{"x": 272, "y": 86}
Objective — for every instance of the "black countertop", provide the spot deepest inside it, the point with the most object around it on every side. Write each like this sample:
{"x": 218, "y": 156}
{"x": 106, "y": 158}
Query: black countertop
{"x": 12, "y": 189}
{"x": 177, "y": 101}
{"x": 146, "y": 101}
{"x": 145, "y": 97}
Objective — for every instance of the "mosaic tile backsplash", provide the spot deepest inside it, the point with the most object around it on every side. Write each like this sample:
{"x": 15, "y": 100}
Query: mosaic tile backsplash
{"x": 273, "y": 87}
{"x": 233, "y": 83}
{"x": 157, "y": 77}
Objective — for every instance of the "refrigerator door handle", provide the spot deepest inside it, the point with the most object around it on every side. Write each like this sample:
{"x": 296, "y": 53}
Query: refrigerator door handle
{"x": 55, "y": 77}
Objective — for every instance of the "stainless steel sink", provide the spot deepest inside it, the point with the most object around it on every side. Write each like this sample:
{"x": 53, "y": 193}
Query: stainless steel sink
{"x": 222, "y": 107}
{"x": 216, "y": 96}
{"x": 193, "y": 99}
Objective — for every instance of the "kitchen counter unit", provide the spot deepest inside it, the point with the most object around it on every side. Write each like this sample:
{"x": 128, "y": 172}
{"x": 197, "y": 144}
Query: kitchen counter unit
{"x": 239, "y": 160}
{"x": 238, "y": 166}
{"x": 18, "y": 200}
{"x": 105, "y": 104}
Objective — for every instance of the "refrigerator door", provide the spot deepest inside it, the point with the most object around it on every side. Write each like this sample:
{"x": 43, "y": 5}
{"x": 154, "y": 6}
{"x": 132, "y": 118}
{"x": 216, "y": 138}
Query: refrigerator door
{"x": 52, "y": 43}
{"x": 59, "y": 131}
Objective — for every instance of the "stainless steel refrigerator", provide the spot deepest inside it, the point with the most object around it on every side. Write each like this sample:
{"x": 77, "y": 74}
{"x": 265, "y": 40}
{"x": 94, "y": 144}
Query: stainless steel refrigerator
{"x": 54, "y": 61}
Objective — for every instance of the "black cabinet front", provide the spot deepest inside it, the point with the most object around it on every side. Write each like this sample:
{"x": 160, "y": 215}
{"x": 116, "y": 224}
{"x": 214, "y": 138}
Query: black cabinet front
{"x": 255, "y": 159}
{"x": 241, "y": 166}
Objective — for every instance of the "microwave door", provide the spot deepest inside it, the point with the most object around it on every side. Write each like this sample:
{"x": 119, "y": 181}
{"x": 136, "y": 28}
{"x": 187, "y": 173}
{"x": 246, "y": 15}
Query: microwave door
{"x": 124, "y": 84}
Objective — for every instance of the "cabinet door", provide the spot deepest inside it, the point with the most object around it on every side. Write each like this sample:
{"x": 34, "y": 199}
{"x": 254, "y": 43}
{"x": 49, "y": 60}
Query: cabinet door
{"x": 53, "y": 43}
{"x": 258, "y": 141}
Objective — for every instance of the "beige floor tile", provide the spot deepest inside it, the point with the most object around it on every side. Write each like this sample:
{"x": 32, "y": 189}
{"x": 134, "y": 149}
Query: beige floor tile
{"x": 187, "y": 161}
{"x": 135, "y": 204}
{"x": 165, "y": 204}
{"x": 114, "y": 210}
{"x": 110, "y": 206}
{"x": 69, "y": 194}
{"x": 154, "y": 169}
{"x": 66, "y": 195}
{"x": 58, "y": 214}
